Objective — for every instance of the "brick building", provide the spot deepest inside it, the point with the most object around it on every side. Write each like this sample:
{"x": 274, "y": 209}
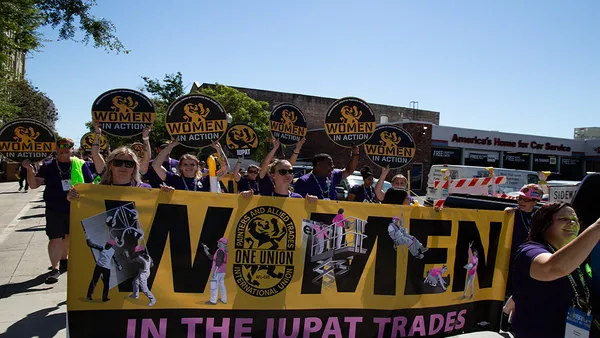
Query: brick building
{"x": 315, "y": 108}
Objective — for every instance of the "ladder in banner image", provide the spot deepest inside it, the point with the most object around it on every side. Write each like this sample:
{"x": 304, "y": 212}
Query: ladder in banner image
{"x": 333, "y": 251}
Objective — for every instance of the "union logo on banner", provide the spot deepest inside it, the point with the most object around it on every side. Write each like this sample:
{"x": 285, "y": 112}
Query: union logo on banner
{"x": 349, "y": 121}
{"x": 123, "y": 112}
{"x": 390, "y": 146}
{"x": 87, "y": 140}
{"x": 241, "y": 139}
{"x": 288, "y": 123}
{"x": 27, "y": 139}
{"x": 196, "y": 120}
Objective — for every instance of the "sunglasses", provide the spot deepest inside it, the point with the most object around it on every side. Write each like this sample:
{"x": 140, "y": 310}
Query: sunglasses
{"x": 252, "y": 172}
{"x": 65, "y": 146}
{"x": 284, "y": 172}
{"x": 120, "y": 163}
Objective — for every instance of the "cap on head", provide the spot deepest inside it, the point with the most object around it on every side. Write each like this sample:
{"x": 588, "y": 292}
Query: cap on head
{"x": 111, "y": 242}
{"x": 138, "y": 248}
{"x": 223, "y": 240}
{"x": 395, "y": 218}
{"x": 531, "y": 191}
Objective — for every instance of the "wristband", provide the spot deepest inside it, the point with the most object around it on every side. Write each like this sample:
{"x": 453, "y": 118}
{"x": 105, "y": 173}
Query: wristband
{"x": 145, "y": 138}
{"x": 297, "y": 153}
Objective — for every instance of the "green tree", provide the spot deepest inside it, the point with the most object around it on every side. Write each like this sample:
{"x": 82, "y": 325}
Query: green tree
{"x": 21, "y": 19}
{"x": 21, "y": 99}
{"x": 244, "y": 109}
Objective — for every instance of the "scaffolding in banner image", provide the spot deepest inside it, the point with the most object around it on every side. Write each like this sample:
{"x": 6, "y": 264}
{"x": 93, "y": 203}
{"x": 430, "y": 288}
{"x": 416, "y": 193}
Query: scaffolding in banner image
{"x": 334, "y": 246}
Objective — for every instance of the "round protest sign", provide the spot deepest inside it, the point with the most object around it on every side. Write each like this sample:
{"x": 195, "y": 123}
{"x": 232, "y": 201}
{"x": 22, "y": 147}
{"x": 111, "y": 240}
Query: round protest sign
{"x": 288, "y": 123}
{"x": 123, "y": 112}
{"x": 241, "y": 139}
{"x": 87, "y": 140}
{"x": 390, "y": 146}
{"x": 196, "y": 120}
{"x": 349, "y": 122}
{"x": 138, "y": 149}
{"x": 27, "y": 139}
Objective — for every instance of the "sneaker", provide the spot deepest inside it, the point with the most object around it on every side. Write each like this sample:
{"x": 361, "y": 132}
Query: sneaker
{"x": 220, "y": 300}
{"x": 26, "y": 190}
{"x": 424, "y": 249}
{"x": 152, "y": 302}
{"x": 53, "y": 277}
{"x": 88, "y": 297}
{"x": 63, "y": 265}
{"x": 210, "y": 303}
{"x": 134, "y": 296}
{"x": 20, "y": 189}
{"x": 106, "y": 299}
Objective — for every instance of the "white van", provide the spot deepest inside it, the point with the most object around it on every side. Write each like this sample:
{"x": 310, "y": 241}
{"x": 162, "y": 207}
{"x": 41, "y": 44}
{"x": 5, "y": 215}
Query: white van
{"x": 515, "y": 179}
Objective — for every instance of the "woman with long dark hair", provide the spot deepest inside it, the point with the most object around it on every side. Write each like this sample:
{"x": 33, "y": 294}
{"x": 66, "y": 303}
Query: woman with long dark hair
{"x": 547, "y": 280}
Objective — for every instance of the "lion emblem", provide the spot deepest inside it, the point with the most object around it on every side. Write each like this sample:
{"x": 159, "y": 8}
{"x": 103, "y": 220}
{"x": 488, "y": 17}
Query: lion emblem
{"x": 25, "y": 135}
{"x": 89, "y": 140}
{"x": 195, "y": 112}
{"x": 123, "y": 105}
{"x": 263, "y": 232}
{"x": 288, "y": 117}
{"x": 389, "y": 139}
{"x": 241, "y": 137}
{"x": 350, "y": 115}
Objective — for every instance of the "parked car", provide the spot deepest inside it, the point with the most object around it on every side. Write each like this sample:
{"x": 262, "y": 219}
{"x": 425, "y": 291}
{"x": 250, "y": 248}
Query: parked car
{"x": 352, "y": 180}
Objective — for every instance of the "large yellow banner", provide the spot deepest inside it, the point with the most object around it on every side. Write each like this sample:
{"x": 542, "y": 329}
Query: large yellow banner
{"x": 224, "y": 266}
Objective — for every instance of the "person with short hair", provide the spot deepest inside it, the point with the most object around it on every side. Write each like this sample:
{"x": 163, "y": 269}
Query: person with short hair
{"x": 248, "y": 181}
{"x": 321, "y": 182}
{"x": 59, "y": 175}
{"x": 106, "y": 256}
{"x": 547, "y": 279}
{"x": 529, "y": 196}
{"x": 364, "y": 192}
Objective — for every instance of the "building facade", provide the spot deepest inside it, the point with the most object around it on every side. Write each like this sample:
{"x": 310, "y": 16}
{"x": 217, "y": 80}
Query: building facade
{"x": 315, "y": 107}
{"x": 589, "y": 133}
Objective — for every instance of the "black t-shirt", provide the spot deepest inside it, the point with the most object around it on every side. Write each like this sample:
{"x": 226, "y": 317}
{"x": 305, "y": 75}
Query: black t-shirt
{"x": 363, "y": 193}
{"x": 246, "y": 184}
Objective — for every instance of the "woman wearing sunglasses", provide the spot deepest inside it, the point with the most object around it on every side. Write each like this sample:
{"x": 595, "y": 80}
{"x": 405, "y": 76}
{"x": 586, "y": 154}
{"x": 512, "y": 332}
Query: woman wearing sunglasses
{"x": 189, "y": 175}
{"x": 529, "y": 196}
{"x": 122, "y": 169}
{"x": 548, "y": 283}
{"x": 248, "y": 182}
{"x": 282, "y": 173}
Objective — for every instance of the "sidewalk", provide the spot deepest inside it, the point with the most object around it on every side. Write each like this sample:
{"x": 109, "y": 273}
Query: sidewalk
{"x": 28, "y": 307}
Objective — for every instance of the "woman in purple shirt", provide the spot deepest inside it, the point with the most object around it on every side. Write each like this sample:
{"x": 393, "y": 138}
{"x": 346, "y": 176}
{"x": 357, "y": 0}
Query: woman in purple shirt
{"x": 547, "y": 279}
{"x": 122, "y": 169}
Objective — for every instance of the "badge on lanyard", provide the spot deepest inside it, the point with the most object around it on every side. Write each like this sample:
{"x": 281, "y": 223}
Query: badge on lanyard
{"x": 579, "y": 323}
{"x": 66, "y": 185}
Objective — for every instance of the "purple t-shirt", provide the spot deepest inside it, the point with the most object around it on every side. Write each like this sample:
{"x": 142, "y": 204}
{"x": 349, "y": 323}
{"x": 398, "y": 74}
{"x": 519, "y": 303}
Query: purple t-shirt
{"x": 266, "y": 186}
{"x": 363, "y": 193}
{"x": 152, "y": 178}
{"x": 540, "y": 307}
{"x": 317, "y": 186}
{"x": 185, "y": 183}
{"x": 291, "y": 194}
{"x": 54, "y": 196}
{"x": 246, "y": 184}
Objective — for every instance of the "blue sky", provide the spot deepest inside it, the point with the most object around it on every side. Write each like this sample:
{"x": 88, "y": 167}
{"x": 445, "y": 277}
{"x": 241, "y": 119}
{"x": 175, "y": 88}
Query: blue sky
{"x": 528, "y": 67}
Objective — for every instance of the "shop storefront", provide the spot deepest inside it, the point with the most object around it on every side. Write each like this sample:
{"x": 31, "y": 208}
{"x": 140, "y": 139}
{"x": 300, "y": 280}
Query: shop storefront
{"x": 564, "y": 158}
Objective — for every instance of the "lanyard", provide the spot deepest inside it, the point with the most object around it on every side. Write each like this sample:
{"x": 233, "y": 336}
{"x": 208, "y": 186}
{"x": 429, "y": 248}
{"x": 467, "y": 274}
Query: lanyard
{"x": 254, "y": 186}
{"x": 526, "y": 223}
{"x": 321, "y": 188}
{"x": 369, "y": 196}
{"x": 186, "y": 186}
{"x": 588, "y": 305}
{"x": 63, "y": 173}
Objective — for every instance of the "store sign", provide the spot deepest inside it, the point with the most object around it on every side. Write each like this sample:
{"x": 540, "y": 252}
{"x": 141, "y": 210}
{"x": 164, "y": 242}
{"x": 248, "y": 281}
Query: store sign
{"x": 516, "y": 158}
{"x": 445, "y": 153}
{"x": 570, "y": 161}
{"x": 520, "y": 144}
